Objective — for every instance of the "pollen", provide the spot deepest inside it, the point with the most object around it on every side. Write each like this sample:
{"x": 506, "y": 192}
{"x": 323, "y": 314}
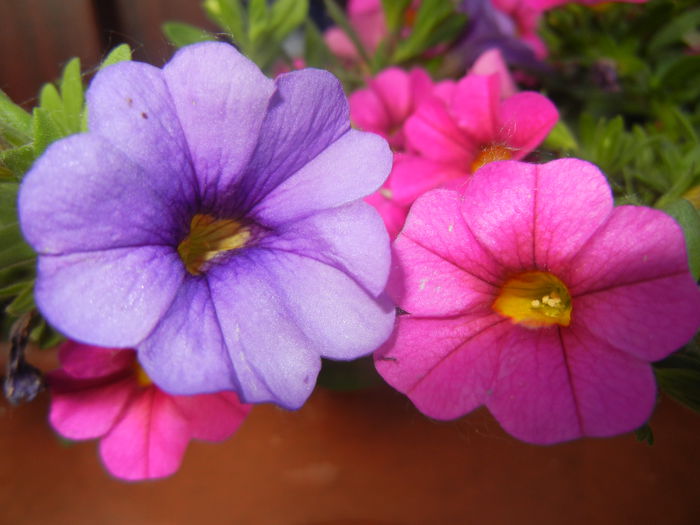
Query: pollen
{"x": 535, "y": 299}
{"x": 209, "y": 238}
{"x": 491, "y": 153}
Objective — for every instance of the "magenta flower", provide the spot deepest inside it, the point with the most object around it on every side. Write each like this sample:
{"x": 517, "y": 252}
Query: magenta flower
{"x": 530, "y": 294}
{"x": 463, "y": 126}
{"x": 102, "y": 393}
{"x": 549, "y": 4}
{"x": 212, "y": 219}
{"x": 367, "y": 19}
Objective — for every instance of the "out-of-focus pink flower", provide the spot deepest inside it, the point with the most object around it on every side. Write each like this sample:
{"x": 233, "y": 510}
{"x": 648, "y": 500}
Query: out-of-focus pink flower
{"x": 388, "y": 100}
{"x": 143, "y": 431}
{"x": 466, "y": 125}
{"x": 491, "y": 62}
{"x": 530, "y": 294}
{"x": 367, "y": 19}
{"x": 525, "y": 17}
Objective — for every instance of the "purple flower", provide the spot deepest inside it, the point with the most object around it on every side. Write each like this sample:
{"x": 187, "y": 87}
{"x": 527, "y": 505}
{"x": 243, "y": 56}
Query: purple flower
{"x": 212, "y": 220}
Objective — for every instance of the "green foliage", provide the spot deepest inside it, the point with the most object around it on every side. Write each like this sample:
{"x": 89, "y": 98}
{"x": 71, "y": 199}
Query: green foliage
{"x": 679, "y": 376}
{"x": 687, "y": 216}
{"x": 180, "y": 34}
{"x": 644, "y": 434}
{"x": 259, "y": 30}
{"x": 15, "y": 123}
{"x": 121, "y": 53}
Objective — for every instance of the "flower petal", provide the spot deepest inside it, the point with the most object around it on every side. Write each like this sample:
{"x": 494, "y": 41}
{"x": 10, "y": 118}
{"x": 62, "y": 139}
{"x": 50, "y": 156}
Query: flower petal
{"x": 544, "y": 213}
{"x": 212, "y": 417}
{"x": 475, "y": 107}
{"x": 82, "y": 410}
{"x": 84, "y": 195}
{"x": 149, "y": 440}
{"x": 352, "y": 167}
{"x": 307, "y": 114}
{"x": 111, "y": 298}
{"x": 524, "y": 121}
{"x": 445, "y": 366}
{"x": 220, "y": 109}
{"x": 631, "y": 284}
{"x": 439, "y": 268}
{"x": 84, "y": 361}
{"x": 129, "y": 104}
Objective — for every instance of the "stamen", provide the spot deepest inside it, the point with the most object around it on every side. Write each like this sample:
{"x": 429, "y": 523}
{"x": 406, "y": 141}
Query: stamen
{"x": 209, "y": 238}
{"x": 491, "y": 153}
{"x": 535, "y": 299}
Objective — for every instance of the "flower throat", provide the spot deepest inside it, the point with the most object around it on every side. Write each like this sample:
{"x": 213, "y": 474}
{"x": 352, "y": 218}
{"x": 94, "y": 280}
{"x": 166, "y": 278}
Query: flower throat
{"x": 535, "y": 299}
{"x": 209, "y": 238}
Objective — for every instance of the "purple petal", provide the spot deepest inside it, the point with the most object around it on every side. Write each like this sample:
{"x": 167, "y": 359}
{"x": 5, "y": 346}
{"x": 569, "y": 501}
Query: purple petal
{"x": 186, "y": 352}
{"x": 129, "y": 105}
{"x": 111, "y": 298}
{"x": 352, "y": 167}
{"x": 84, "y": 195}
{"x": 308, "y": 113}
{"x": 445, "y": 366}
{"x": 220, "y": 109}
{"x": 149, "y": 440}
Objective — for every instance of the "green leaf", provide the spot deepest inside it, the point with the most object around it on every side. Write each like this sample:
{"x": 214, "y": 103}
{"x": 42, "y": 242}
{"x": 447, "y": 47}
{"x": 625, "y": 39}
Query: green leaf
{"x": 687, "y": 216}
{"x": 286, "y": 16}
{"x": 50, "y": 100}
{"x": 316, "y": 52}
{"x": 23, "y": 302}
{"x": 231, "y": 16}
{"x": 46, "y": 130}
{"x": 338, "y": 16}
{"x": 13, "y": 289}
{"x": 394, "y": 13}
{"x": 121, "y": 53}
{"x": 257, "y": 22}
{"x": 180, "y": 34}
{"x": 72, "y": 96}
{"x": 675, "y": 30}
{"x": 18, "y": 160}
{"x": 15, "y": 123}
{"x": 644, "y": 434}
{"x": 560, "y": 138}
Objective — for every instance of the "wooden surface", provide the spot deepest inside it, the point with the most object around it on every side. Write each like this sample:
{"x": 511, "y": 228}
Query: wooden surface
{"x": 360, "y": 458}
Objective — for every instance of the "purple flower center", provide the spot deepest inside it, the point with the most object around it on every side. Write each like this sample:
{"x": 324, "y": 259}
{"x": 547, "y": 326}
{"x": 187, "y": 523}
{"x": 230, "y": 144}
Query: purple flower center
{"x": 208, "y": 239}
{"x": 535, "y": 299}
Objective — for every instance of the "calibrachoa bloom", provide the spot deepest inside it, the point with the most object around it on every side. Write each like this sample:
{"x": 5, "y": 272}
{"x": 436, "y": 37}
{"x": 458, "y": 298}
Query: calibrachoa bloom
{"x": 103, "y": 393}
{"x": 530, "y": 294}
{"x": 212, "y": 220}
{"x": 367, "y": 19}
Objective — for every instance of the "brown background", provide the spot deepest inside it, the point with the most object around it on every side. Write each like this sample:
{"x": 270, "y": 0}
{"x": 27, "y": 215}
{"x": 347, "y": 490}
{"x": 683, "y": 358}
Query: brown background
{"x": 363, "y": 458}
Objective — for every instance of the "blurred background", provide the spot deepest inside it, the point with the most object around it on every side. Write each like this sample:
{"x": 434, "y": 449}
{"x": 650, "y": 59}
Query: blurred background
{"x": 346, "y": 458}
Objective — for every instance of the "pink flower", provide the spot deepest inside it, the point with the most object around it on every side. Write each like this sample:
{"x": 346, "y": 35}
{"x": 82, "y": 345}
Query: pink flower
{"x": 367, "y": 19}
{"x": 549, "y": 4}
{"x": 491, "y": 61}
{"x": 530, "y": 294}
{"x": 103, "y": 393}
{"x": 388, "y": 100}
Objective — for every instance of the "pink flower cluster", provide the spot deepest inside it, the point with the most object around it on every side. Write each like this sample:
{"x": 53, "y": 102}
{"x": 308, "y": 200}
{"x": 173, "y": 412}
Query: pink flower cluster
{"x": 103, "y": 393}
{"x": 441, "y": 133}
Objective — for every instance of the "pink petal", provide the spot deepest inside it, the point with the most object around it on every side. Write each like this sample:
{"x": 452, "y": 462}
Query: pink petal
{"x": 557, "y": 384}
{"x": 438, "y": 267}
{"x": 412, "y": 176}
{"x": 367, "y": 112}
{"x": 445, "y": 366}
{"x": 525, "y": 119}
{"x": 632, "y": 287}
{"x": 339, "y": 44}
{"x": 79, "y": 411}
{"x": 212, "y": 417}
{"x": 536, "y": 216}
{"x": 85, "y": 361}
{"x": 432, "y": 132}
{"x": 149, "y": 440}
{"x": 392, "y": 214}
{"x": 491, "y": 62}
{"x": 475, "y": 107}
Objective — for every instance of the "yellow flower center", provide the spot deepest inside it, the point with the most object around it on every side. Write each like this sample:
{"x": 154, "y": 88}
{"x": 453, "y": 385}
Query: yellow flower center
{"x": 208, "y": 238}
{"x": 535, "y": 299}
{"x": 491, "y": 153}
{"x": 141, "y": 376}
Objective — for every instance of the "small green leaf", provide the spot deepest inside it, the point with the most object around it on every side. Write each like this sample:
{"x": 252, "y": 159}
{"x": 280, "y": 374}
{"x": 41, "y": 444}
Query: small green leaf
{"x": 560, "y": 138}
{"x": 46, "y": 130}
{"x": 23, "y": 302}
{"x": 687, "y": 216}
{"x": 15, "y": 123}
{"x": 257, "y": 22}
{"x": 674, "y": 31}
{"x": 231, "y": 16}
{"x": 644, "y": 434}
{"x": 121, "y": 53}
{"x": 72, "y": 95}
{"x": 286, "y": 16}
{"x": 180, "y": 34}
{"x": 18, "y": 160}
{"x": 316, "y": 52}
{"x": 50, "y": 100}
{"x": 394, "y": 13}
{"x": 13, "y": 289}
{"x": 679, "y": 376}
